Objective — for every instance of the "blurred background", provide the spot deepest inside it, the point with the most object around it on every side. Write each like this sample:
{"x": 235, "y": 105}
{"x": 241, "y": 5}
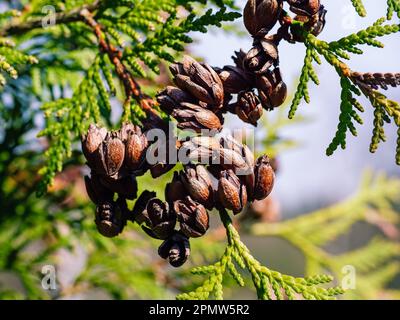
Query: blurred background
{"x": 335, "y": 214}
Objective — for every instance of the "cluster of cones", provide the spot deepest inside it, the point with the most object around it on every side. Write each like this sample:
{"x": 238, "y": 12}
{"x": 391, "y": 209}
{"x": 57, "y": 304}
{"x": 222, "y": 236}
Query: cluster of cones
{"x": 220, "y": 173}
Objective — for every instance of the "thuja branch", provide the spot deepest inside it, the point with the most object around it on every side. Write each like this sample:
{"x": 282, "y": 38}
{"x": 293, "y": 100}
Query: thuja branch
{"x": 17, "y": 27}
{"x": 352, "y": 83}
{"x": 269, "y": 284}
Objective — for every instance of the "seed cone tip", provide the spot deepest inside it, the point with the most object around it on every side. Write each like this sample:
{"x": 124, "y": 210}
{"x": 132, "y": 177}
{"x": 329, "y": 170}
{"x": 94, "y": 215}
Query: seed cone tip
{"x": 107, "y": 229}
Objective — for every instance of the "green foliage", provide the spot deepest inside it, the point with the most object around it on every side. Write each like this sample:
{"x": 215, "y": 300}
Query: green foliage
{"x": 307, "y": 73}
{"x": 9, "y": 14}
{"x": 172, "y": 37}
{"x": 269, "y": 284}
{"x": 334, "y": 53}
{"x": 375, "y": 262}
{"x": 359, "y": 6}
{"x": 67, "y": 117}
{"x": 10, "y": 57}
{"x": 348, "y": 115}
{"x": 392, "y": 6}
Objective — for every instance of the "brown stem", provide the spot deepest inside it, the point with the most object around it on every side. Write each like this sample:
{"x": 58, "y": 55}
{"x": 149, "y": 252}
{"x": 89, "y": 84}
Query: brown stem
{"x": 132, "y": 88}
{"x": 376, "y": 80}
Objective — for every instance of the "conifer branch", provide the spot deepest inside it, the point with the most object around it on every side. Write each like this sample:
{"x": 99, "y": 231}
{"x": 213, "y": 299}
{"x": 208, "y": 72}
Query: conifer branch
{"x": 352, "y": 83}
{"x": 269, "y": 284}
{"x": 17, "y": 27}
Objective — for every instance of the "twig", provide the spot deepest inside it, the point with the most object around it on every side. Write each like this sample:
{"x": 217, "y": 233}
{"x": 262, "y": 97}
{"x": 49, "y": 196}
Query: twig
{"x": 132, "y": 88}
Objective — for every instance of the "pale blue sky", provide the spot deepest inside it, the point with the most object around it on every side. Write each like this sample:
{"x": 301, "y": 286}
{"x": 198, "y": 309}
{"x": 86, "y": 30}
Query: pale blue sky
{"x": 308, "y": 177}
